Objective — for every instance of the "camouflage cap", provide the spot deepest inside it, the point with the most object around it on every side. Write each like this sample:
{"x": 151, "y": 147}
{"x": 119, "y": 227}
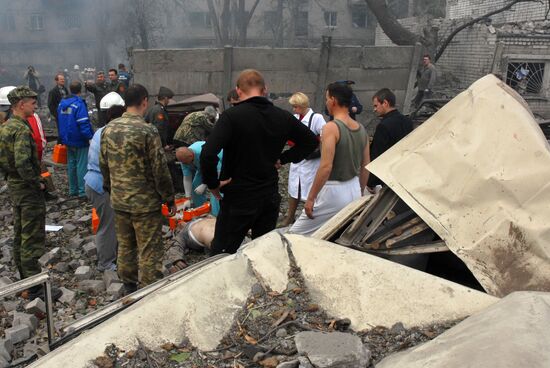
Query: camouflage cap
{"x": 21, "y": 92}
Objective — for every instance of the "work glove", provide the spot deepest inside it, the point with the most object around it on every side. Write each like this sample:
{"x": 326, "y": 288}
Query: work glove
{"x": 201, "y": 189}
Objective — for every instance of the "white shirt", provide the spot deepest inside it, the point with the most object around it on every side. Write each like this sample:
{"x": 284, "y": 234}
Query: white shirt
{"x": 303, "y": 173}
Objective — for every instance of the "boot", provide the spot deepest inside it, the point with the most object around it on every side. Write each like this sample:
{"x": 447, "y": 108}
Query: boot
{"x": 129, "y": 288}
{"x": 38, "y": 292}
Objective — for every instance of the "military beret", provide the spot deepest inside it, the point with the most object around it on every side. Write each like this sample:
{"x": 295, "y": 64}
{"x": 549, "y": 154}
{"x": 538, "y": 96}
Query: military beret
{"x": 165, "y": 92}
{"x": 21, "y": 92}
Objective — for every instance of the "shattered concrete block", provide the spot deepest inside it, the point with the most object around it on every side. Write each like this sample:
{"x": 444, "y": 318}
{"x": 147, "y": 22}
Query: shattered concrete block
{"x": 61, "y": 267}
{"x": 331, "y": 350}
{"x": 110, "y": 277}
{"x": 90, "y": 249}
{"x": 116, "y": 289}
{"x": 10, "y": 305}
{"x": 36, "y": 306}
{"x": 92, "y": 286}
{"x": 50, "y": 257}
{"x": 6, "y": 348}
{"x": 69, "y": 228}
{"x": 68, "y": 296}
{"x": 5, "y": 281}
{"x": 18, "y": 334}
{"x": 85, "y": 218}
{"x": 29, "y": 320}
{"x": 74, "y": 264}
{"x": 83, "y": 273}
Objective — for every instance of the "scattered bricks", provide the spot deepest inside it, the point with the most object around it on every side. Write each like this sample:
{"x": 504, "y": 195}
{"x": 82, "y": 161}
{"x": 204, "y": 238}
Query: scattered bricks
{"x": 90, "y": 249}
{"x": 92, "y": 286}
{"x": 68, "y": 296}
{"x": 9, "y": 305}
{"x": 36, "y": 306}
{"x": 69, "y": 228}
{"x": 50, "y": 257}
{"x": 83, "y": 273}
{"x": 76, "y": 242}
{"x": 116, "y": 290}
{"x": 18, "y": 334}
{"x": 6, "y": 348}
{"x": 110, "y": 277}
{"x": 5, "y": 281}
{"x": 29, "y": 320}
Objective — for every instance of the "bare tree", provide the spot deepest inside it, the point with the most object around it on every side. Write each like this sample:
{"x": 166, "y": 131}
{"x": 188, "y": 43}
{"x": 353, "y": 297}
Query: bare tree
{"x": 402, "y": 36}
{"x": 230, "y": 20}
{"x": 143, "y": 27}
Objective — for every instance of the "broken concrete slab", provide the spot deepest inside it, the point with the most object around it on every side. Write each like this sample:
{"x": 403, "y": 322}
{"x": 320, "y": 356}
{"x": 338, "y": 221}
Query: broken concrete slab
{"x": 50, "y": 257}
{"x": 90, "y": 249}
{"x": 110, "y": 277}
{"x": 511, "y": 333}
{"x": 372, "y": 291}
{"x": 67, "y": 296}
{"x": 36, "y": 306}
{"x": 487, "y": 198}
{"x": 116, "y": 290}
{"x": 29, "y": 320}
{"x": 332, "y": 350}
{"x": 17, "y": 334}
{"x": 83, "y": 273}
{"x": 6, "y": 348}
{"x": 92, "y": 286}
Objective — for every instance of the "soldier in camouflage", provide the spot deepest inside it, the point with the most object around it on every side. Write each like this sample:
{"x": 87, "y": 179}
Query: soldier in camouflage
{"x": 136, "y": 175}
{"x": 20, "y": 166}
{"x": 157, "y": 115}
{"x": 196, "y": 127}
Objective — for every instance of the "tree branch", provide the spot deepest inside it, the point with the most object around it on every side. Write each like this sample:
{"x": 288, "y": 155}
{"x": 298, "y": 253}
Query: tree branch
{"x": 470, "y": 23}
{"x": 391, "y": 27}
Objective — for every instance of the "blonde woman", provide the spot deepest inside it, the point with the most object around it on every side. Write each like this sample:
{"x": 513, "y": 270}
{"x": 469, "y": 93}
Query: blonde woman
{"x": 301, "y": 175}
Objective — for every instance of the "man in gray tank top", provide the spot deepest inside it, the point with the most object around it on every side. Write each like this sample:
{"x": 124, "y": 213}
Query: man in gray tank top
{"x": 342, "y": 176}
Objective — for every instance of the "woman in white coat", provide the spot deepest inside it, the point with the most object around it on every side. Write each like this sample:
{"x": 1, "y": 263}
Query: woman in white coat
{"x": 301, "y": 175}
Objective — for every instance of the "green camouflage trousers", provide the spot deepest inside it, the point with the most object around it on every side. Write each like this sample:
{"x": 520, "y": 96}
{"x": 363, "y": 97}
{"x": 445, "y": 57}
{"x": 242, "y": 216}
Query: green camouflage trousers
{"x": 29, "y": 234}
{"x": 140, "y": 247}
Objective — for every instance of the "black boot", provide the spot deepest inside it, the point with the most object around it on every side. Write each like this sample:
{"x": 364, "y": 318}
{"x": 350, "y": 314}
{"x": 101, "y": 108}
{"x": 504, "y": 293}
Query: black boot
{"x": 38, "y": 292}
{"x": 129, "y": 288}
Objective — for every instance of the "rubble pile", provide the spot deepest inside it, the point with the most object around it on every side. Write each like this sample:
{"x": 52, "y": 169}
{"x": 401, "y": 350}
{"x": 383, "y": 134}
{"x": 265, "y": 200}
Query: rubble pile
{"x": 280, "y": 330}
{"x": 525, "y": 28}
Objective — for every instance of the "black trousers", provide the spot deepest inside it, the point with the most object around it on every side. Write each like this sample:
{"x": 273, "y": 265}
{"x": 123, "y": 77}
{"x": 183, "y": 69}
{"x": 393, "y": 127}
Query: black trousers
{"x": 236, "y": 217}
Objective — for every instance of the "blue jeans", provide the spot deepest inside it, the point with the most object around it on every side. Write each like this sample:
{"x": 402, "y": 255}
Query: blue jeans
{"x": 77, "y": 166}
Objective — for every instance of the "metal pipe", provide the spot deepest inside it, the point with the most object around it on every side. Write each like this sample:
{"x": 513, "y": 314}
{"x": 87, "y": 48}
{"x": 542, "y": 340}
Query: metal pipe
{"x": 24, "y": 284}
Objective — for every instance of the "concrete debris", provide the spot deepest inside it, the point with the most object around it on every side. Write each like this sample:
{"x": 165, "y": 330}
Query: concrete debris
{"x": 69, "y": 228}
{"x": 29, "y": 320}
{"x": 83, "y": 273}
{"x": 36, "y": 306}
{"x": 90, "y": 249}
{"x": 116, "y": 290}
{"x": 92, "y": 286}
{"x": 110, "y": 277}
{"x": 68, "y": 296}
{"x": 6, "y": 349}
{"x": 50, "y": 257}
{"x": 332, "y": 350}
{"x": 5, "y": 281}
{"x": 17, "y": 334}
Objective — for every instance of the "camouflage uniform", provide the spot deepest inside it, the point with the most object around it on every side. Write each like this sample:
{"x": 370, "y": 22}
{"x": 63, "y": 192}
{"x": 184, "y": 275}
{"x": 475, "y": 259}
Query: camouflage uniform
{"x": 157, "y": 116}
{"x": 116, "y": 86}
{"x": 135, "y": 173}
{"x": 19, "y": 164}
{"x": 195, "y": 127}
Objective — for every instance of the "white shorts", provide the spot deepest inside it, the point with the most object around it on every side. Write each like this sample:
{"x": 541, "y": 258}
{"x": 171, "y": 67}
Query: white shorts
{"x": 334, "y": 196}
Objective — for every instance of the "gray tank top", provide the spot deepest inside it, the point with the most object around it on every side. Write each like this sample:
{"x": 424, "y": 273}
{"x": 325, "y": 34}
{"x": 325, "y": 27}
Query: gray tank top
{"x": 349, "y": 152}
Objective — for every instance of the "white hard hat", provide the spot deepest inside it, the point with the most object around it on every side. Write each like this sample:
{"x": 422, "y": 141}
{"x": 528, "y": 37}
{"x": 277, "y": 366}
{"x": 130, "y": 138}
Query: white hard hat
{"x": 110, "y": 99}
{"x": 4, "y": 95}
{"x": 76, "y": 67}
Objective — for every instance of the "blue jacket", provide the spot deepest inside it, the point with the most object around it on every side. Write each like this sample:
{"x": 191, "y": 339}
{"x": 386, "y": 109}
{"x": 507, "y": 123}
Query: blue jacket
{"x": 75, "y": 129}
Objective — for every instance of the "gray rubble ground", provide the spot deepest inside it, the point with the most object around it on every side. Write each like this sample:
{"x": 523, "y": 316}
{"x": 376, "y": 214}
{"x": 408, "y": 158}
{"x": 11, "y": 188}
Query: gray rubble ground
{"x": 71, "y": 257}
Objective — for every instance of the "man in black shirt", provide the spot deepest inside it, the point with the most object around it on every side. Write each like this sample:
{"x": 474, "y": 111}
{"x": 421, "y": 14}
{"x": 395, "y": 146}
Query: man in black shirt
{"x": 252, "y": 135}
{"x": 55, "y": 96}
{"x": 393, "y": 127}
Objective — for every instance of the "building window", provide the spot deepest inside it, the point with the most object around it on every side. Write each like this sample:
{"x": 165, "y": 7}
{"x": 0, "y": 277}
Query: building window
{"x": 71, "y": 21}
{"x": 301, "y": 24}
{"x": 359, "y": 16}
{"x": 37, "y": 23}
{"x": 200, "y": 19}
{"x": 7, "y": 22}
{"x": 331, "y": 18}
{"x": 525, "y": 78}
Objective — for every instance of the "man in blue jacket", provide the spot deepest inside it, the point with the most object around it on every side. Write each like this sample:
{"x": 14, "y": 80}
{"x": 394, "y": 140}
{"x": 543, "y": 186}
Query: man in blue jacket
{"x": 75, "y": 131}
